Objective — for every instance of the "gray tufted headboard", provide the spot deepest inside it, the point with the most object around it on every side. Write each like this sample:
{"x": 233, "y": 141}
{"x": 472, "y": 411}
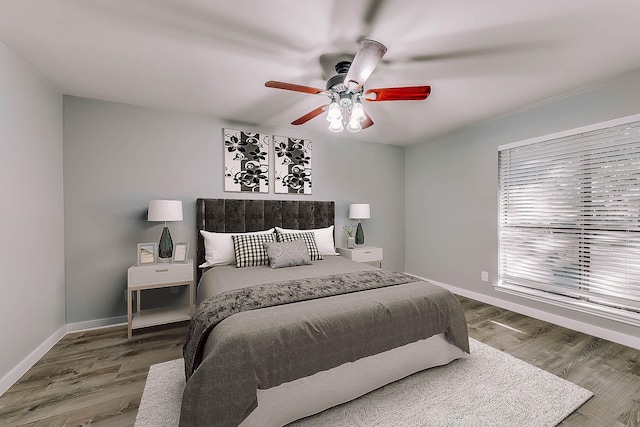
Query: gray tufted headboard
{"x": 234, "y": 215}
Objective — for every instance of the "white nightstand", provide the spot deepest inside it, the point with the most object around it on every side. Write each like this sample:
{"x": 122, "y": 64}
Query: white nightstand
{"x": 157, "y": 276}
{"x": 367, "y": 254}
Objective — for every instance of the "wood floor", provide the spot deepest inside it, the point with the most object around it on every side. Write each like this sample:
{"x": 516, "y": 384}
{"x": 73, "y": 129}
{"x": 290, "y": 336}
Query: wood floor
{"x": 90, "y": 378}
{"x": 96, "y": 378}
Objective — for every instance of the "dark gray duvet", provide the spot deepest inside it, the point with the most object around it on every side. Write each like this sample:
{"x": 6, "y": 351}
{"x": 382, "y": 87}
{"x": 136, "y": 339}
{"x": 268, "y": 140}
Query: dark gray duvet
{"x": 260, "y": 337}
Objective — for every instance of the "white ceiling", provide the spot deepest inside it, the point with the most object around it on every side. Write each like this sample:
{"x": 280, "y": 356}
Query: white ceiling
{"x": 482, "y": 58}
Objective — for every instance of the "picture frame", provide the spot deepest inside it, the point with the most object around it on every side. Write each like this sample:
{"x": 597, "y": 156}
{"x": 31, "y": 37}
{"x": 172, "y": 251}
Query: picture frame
{"x": 246, "y": 161}
{"x": 180, "y": 252}
{"x": 147, "y": 253}
{"x": 293, "y": 165}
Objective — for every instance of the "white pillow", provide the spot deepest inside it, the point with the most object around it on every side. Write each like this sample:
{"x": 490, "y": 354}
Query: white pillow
{"x": 218, "y": 247}
{"x": 324, "y": 238}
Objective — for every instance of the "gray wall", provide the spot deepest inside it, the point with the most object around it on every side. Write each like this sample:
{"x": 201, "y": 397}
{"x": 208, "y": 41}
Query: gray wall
{"x": 117, "y": 157}
{"x": 32, "y": 304}
{"x": 451, "y": 187}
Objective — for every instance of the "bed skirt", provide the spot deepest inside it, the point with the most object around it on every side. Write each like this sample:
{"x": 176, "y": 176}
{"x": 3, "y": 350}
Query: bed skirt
{"x": 300, "y": 398}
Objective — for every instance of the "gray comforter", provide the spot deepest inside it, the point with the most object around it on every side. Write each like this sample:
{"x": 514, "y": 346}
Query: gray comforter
{"x": 258, "y": 338}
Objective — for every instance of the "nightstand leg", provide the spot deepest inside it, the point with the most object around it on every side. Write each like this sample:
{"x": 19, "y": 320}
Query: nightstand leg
{"x": 192, "y": 297}
{"x": 129, "y": 316}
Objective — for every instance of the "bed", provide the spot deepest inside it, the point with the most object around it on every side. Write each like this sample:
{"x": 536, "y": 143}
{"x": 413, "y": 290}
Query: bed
{"x": 268, "y": 346}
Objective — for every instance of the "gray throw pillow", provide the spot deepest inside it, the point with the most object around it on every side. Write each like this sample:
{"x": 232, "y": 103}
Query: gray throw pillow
{"x": 287, "y": 254}
{"x": 309, "y": 239}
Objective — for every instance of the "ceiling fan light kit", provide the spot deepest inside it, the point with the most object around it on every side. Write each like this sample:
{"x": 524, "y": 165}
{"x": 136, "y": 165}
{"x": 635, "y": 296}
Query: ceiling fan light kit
{"x": 346, "y": 91}
{"x": 346, "y": 111}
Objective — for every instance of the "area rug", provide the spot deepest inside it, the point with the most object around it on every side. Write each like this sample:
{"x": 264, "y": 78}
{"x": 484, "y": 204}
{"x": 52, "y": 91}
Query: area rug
{"x": 486, "y": 388}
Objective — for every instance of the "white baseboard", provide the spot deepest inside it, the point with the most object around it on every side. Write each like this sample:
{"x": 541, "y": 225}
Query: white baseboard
{"x": 17, "y": 372}
{"x": 587, "y": 328}
{"x": 96, "y": 324}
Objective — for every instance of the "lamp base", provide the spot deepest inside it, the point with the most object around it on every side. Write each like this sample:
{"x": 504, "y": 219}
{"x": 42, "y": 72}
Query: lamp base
{"x": 359, "y": 235}
{"x": 165, "y": 247}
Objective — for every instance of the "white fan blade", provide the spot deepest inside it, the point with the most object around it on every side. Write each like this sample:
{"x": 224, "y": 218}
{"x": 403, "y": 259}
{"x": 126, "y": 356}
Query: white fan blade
{"x": 367, "y": 58}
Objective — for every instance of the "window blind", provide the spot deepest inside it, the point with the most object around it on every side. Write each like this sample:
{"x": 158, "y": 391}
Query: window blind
{"x": 569, "y": 220}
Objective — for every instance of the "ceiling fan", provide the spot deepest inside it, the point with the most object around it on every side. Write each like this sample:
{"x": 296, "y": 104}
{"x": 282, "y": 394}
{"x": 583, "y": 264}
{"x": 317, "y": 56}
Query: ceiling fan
{"x": 346, "y": 91}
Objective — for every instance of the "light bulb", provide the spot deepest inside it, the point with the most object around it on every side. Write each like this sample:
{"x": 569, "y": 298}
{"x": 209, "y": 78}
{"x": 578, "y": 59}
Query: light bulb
{"x": 354, "y": 124}
{"x": 336, "y": 126}
{"x": 357, "y": 112}
{"x": 334, "y": 112}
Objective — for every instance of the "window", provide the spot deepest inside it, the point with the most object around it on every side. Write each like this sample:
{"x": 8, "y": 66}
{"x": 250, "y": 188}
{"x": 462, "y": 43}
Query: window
{"x": 569, "y": 219}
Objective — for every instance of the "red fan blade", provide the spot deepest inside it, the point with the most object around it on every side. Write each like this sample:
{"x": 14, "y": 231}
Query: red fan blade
{"x": 310, "y": 115}
{"x": 295, "y": 88}
{"x": 367, "y": 57}
{"x": 410, "y": 93}
{"x": 367, "y": 122}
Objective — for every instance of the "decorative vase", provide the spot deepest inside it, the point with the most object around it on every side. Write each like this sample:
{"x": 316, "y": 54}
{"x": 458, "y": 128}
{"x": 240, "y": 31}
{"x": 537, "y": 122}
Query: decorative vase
{"x": 165, "y": 247}
{"x": 351, "y": 242}
{"x": 359, "y": 235}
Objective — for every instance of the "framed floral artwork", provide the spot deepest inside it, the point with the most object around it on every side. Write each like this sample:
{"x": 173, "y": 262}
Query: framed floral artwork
{"x": 292, "y": 165}
{"x": 246, "y": 161}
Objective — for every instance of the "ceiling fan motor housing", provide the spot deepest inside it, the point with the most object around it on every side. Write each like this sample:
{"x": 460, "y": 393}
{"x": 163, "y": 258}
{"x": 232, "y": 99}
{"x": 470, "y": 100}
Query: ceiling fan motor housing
{"x": 342, "y": 67}
{"x": 336, "y": 83}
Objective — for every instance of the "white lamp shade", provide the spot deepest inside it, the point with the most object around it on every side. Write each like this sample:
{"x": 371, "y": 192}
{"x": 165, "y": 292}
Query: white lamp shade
{"x": 359, "y": 211}
{"x": 165, "y": 210}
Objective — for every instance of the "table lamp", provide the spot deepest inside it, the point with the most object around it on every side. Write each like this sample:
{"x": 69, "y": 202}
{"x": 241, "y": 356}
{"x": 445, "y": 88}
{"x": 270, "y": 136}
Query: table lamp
{"x": 165, "y": 210}
{"x": 359, "y": 211}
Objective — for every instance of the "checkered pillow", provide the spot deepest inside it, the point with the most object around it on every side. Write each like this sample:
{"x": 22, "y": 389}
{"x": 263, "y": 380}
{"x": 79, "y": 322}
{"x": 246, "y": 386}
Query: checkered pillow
{"x": 249, "y": 249}
{"x": 309, "y": 238}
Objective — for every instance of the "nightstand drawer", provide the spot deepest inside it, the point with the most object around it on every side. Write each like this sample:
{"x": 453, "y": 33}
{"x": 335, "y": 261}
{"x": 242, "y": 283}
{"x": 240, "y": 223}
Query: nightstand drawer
{"x": 366, "y": 254}
{"x": 160, "y": 273}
